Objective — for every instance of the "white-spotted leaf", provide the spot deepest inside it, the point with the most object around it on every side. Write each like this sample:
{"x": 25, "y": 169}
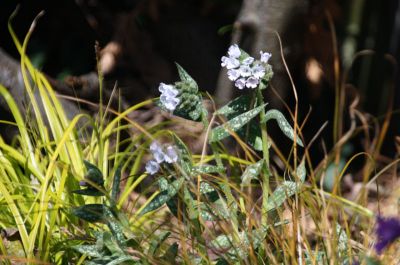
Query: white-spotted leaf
{"x": 234, "y": 124}
{"x": 282, "y": 123}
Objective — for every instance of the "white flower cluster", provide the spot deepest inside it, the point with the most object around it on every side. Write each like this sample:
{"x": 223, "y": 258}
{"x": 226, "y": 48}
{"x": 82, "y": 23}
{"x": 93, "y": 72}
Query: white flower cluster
{"x": 160, "y": 154}
{"x": 246, "y": 72}
{"x": 168, "y": 96}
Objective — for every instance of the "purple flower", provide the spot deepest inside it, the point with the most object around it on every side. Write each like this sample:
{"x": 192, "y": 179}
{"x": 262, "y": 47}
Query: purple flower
{"x": 83, "y": 183}
{"x": 387, "y": 231}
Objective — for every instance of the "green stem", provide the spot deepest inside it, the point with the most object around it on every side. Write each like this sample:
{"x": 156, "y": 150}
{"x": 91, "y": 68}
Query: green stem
{"x": 226, "y": 189}
{"x": 266, "y": 174}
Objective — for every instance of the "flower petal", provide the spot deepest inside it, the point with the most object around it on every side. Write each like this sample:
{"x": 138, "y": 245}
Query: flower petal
{"x": 234, "y": 51}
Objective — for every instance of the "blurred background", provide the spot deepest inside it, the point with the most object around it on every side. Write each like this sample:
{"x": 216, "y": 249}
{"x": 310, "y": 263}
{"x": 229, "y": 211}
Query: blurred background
{"x": 336, "y": 51}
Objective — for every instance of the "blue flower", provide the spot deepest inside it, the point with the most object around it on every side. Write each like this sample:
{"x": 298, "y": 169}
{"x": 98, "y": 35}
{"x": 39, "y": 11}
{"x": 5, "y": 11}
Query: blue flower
{"x": 265, "y": 56}
{"x": 152, "y": 167}
{"x": 387, "y": 231}
{"x": 161, "y": 153}
{"x": 169, "y": 96}
{"x": 243, "y": 69}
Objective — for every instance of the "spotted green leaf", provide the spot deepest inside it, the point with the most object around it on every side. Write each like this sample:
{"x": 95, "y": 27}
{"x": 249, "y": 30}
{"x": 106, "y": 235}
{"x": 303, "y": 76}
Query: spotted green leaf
{"x": 124, "y": 259}
{"x": 287, "y": 189}
{"x": 234, "y": 124}
{"x": 279, "y": 196}
{"x": 185, "y": 158}
{"x": 238, "y": 105}
{"x": 89, "y": 191}
{"x": 93, "y": 174}
{"x": 89, "y": 250}
{"x": 208, "y": 169}
{"x": 171, "y": 253}
{"x": 251, "y": 172}
{"x": 115, "y": 226}
{"x": 116, "y": 183}
{"x": 238, "y": 249}
{"x": 185, "y": 77}
{"x": 163, "y": 196}
{"x": 157, "y": 241}
{"x": 282, "y": 123}
{"x": 90, "y": 212}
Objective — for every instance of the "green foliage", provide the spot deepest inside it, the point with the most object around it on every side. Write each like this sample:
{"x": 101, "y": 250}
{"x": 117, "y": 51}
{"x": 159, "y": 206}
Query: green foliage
{"x": 233, "y": 125}
{"x": 220, "y": 207}
{"x": 282, "y": 123}
{"x": 161, "y": 198}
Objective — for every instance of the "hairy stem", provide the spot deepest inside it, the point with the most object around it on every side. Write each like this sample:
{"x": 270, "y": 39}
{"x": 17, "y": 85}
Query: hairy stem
{"x": 266, "y": 174}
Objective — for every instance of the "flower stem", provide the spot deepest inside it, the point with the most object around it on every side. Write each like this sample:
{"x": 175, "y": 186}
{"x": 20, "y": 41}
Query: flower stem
{"x": 266, "y": 173}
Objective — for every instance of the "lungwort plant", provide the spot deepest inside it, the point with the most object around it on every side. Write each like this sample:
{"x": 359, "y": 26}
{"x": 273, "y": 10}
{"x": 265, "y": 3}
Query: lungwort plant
{"x": 77, "y": 194}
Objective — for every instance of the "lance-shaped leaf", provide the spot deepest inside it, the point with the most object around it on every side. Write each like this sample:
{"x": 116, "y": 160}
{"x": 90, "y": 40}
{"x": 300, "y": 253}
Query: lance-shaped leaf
{"x": 163, "y": 196}
{"x": 185, "y": 77}
{"x": 287, "y": 189}
{"x": 171, "y": 253}
{"x": 156, "y": 242}
{"x": 251, "y": 172}
{"x": 115, "y": 226}
{"x": 93, "y": 181}
{"x": 238, "y": 105}
{"x": 90, "y": 191}
{"x": 116, "y": 182}
{"x": 280, "y": 194}
{"x": 234, "y": 124}
{"x": 90, "y": 212}
{"x": 89, "y": 250}
{"x": 238, "y": 249}
{"x": 185, "y": 158}
{"x": 93, "y": 174}
{"x": 282, "y": 123}
{"x": 207, "y": 169}
{"x": 250, "y": 133}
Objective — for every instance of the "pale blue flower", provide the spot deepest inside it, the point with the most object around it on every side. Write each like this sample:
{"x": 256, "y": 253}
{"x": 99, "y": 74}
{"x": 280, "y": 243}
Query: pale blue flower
{"x": 233, "y": 74}
{"x": 252, "y": 82}
{"x": 168, "y": 96}
{"x": 164, "y": 88}
{"x": 265, "y": 56}
{"x": 249, "y": 60}
{"x": 157, "y": 152}
{"x": 170, "y": 103}
{"x": 240, "y": 83}
{"x": 245, "y": 71}
{"x": 170, "y": 155}
{"x": 258, "y": 71}
{"x": 152, "y": 167}
{"x": 229, "y": 63}
{"x": 234, "y": 51}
